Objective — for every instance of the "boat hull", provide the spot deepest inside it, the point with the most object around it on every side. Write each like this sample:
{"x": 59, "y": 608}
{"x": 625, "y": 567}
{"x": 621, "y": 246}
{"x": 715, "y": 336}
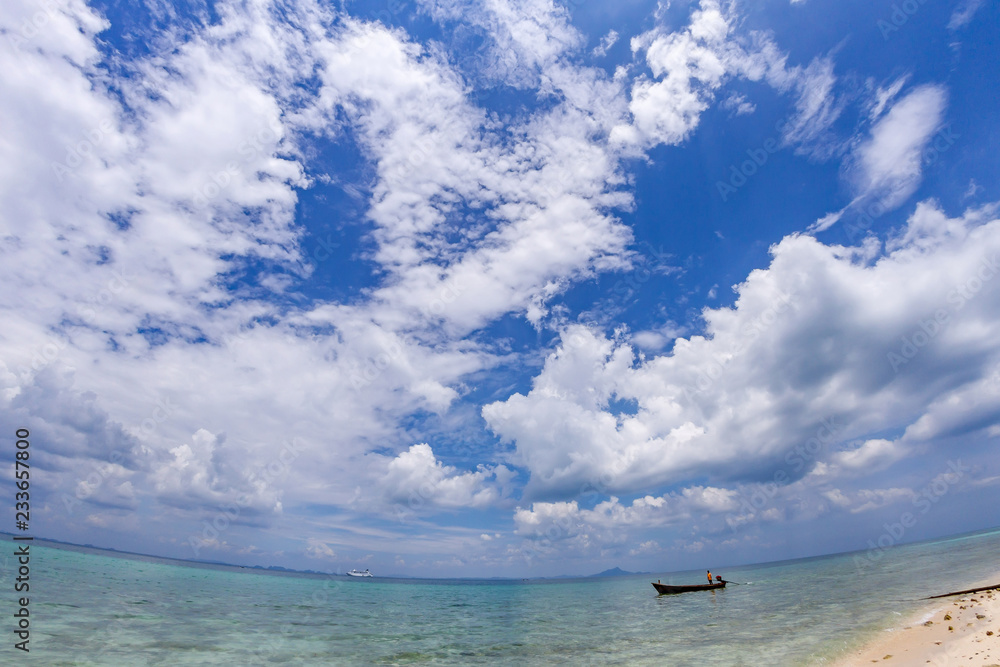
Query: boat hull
{"x": 666, "y": 589}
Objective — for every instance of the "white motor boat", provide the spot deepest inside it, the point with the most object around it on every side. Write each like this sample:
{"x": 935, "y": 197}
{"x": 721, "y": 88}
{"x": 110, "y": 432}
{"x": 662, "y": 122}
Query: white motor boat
{"x": 356, "y": 573}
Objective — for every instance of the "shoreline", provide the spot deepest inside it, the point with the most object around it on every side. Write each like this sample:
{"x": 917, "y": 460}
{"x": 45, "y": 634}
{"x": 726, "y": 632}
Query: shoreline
{"x": 945, "y": 631}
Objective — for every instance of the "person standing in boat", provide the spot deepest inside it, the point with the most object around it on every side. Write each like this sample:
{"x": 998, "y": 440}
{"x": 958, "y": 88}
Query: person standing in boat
{"x": 709, "y": 575}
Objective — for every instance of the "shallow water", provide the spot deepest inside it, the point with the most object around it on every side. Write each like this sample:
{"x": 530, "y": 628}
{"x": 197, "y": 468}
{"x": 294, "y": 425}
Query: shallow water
{"x": 90, "y": 608}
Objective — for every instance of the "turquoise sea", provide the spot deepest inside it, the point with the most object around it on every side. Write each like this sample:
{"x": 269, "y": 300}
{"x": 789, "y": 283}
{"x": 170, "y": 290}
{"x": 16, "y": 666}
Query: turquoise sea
{"x": 98, "y": 608}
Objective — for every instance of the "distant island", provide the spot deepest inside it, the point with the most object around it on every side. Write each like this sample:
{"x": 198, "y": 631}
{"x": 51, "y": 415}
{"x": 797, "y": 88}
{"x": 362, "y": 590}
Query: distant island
{"x": 616, "y": 572}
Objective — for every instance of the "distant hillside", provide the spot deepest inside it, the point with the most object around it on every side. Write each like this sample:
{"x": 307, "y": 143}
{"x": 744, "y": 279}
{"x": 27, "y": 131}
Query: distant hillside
{"x": 615, "y": 572}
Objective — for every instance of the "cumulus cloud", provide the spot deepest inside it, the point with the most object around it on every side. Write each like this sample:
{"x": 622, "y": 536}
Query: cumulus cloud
{"x": 523, "y": 37}
{"x": 567, "y": 529}
{"x": 825, "y": 343}
{"x": 417, "y": 479}
{"x": 690, "y": 66}
{"x": 606, "y": 43}
{"x": 161, "y": 344}
{"x": 437, "y": 157}
{"x": 173, "y": 194}
{"x": 318, "y": 549}
{"x": 563, "y": 520}
{"x": 649, "y": 546}
{"x": 162, "y": 236}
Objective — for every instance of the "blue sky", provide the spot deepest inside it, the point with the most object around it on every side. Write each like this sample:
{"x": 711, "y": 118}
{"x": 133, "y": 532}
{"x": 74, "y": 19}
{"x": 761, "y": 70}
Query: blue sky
{"x": 504, "y": 288}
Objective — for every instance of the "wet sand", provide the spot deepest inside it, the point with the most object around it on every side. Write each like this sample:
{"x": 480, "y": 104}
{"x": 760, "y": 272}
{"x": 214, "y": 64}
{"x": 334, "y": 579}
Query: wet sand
{"x": 959, "y": 630}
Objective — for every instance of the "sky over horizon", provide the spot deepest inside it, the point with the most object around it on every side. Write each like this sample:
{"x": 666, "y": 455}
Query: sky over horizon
{"x": 510, "y": 288}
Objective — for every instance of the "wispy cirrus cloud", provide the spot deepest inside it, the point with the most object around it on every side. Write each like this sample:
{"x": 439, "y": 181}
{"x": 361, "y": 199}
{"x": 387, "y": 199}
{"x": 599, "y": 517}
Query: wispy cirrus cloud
{"x": 964, "y": 14}
{"x": 886, "y": 168}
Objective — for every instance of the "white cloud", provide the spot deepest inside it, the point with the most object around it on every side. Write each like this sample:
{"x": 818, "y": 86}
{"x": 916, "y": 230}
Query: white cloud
{"x": 417, "y": 479}
{"x": 318, "y": 549}
{"x": 870, "y": 456}
{"x": 866, "y": 500}
{"x": 710, "y": 499}
{"x": 523, "y": 37}
{"x": 562, "y": 520}
{"x": 986, "y": 481}
{"x": 739, "y": 104}
{"x": 171, "y": 193}
{"x": 973, "y": 189}
{"x": 889, "y": 164}
{"x": 827, "y": 221}
{"x": 816, "y": 109}
{"x": 566, "y": 528}
{"x": 886, "y": 168}
{"x": 877, "y": 498}
{"x": 155, "y": 338}
{"x": 690, "y": 66}
{"x": 815, "y": 336}
{"x": 607, "y": 42}
{"x": 532, "y": 236}
{"x": 884, "y": 96}
{"x": 647, "y": 547}
{"x": 659, "y": 338}
{"x": 963, "y": 14}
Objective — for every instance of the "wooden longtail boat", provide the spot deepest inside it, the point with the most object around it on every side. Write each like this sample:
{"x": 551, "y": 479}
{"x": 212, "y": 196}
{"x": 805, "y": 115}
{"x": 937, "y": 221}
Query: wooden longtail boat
{"x": 664, "y": 589}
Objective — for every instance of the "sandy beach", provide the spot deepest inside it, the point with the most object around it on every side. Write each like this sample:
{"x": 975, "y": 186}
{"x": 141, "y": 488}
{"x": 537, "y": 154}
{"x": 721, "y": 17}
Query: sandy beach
{"x": 959, "y": 630}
